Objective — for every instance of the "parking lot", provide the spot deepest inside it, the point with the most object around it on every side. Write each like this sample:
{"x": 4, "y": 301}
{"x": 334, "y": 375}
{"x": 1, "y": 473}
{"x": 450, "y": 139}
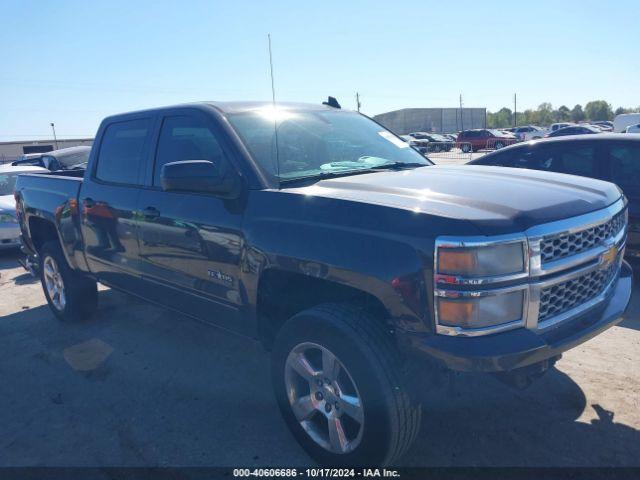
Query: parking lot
{"x": 140, "y": 386}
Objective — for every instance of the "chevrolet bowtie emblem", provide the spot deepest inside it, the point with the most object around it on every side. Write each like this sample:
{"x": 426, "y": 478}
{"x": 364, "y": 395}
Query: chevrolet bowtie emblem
{"x": 609, "y": 256}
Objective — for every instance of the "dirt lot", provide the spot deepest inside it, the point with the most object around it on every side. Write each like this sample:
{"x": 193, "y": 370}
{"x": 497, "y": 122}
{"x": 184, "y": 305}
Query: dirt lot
{"x": 140, "y": 386}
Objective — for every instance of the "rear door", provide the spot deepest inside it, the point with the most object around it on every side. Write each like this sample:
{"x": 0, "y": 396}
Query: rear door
{"x": 190, "y": 243}
{"x": 109, "y": 198}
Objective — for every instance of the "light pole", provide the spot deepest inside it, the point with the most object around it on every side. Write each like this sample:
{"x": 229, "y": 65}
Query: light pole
{"x": 55, "y": 140}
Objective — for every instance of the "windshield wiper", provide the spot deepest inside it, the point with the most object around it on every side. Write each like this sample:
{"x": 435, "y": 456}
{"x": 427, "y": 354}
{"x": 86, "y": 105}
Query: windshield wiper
{"x": 356, "y": 171}
{"x": 392, "y": 165}
{"x": 325, "y": 175}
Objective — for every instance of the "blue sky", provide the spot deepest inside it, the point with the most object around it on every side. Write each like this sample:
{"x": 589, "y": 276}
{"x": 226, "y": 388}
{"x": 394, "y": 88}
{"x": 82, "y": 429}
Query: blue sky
{"x": 74, "y": 62}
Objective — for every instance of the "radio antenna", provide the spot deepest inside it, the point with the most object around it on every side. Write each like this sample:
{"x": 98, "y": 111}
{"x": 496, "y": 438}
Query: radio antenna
{"x": 275, "y": 116}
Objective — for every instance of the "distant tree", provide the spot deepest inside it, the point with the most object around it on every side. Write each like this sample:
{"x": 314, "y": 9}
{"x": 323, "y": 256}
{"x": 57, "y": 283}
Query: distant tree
{"x": 577, "y": 114}
{"x": 598, "y": 110}
{"x": 563, "y": 114}
{"x": 504, "y": 117}
{"x": 501, "y": 119}
{"x": 544, "y": 114}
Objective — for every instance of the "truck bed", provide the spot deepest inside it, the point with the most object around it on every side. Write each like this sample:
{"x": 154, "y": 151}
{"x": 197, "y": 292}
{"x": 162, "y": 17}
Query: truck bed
{"x": 51, "y": 199}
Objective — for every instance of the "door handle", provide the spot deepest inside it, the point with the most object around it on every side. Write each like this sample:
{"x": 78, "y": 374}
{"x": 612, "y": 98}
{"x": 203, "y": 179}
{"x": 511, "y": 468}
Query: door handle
{"x": 88, "y": 202}
{"x": 151, "y": 212}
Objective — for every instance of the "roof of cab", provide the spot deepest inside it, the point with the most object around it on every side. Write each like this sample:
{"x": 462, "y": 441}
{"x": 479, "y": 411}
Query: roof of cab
{"x": 230, "y": 107}
{"x": 238, "y": 107}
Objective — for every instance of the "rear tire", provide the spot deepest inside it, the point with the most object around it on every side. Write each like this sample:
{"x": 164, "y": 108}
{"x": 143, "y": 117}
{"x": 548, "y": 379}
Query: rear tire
{"x": 383, "y": 418}
{"x": 499, "y": 145}
{"x": 466, "y": 148}
{"x": 70, "y": 295}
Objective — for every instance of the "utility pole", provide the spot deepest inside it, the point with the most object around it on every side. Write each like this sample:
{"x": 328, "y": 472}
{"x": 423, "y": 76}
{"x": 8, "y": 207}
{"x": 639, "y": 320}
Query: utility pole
{"x": 515, "y": 110}
{"x": 461, "y": 116}
{"x": 55, "y": 140}
{"x": 358, "y": 104}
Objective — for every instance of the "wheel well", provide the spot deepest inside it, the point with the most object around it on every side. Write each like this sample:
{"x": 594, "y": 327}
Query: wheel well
{"x": 282, "y": 294}
{"x": 41, "y": 231}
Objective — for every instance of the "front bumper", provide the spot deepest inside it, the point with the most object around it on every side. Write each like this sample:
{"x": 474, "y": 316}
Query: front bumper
{"x": 522, "y": 347}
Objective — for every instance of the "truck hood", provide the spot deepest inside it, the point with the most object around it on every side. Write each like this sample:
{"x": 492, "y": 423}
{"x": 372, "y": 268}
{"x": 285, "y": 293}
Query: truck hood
{"x": 495, "y": 199}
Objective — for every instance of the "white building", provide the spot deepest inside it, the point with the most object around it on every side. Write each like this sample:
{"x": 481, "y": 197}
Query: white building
{"x": 10, "y": 151}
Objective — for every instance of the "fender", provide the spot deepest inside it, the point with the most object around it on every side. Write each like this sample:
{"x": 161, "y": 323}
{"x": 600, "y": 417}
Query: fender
{"x": 386, "y": 266}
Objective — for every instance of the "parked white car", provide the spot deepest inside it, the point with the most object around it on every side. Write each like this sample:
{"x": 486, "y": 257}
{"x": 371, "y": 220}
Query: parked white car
{"x": 633, "y": 128}
{"x": 528, "y": 132}
{"x": 9, "y": 228}
{"x": 624, "y": 120}
{"x": 558, "y": 126}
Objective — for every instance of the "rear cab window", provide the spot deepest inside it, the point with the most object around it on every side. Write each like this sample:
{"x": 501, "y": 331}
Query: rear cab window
{"x": 122, "y": 153}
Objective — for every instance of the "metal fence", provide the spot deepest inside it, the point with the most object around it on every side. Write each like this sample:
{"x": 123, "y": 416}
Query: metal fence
{"x": 447, "y": 152}
{"x": 498, "y": 143}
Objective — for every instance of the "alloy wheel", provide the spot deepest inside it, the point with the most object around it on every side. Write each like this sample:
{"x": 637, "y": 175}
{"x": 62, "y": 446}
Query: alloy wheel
{"x": 324, "y": 398}
{"x": 54, "y": 283}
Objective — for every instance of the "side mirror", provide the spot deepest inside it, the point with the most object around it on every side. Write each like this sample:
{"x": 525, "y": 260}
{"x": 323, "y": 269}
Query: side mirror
{"x": 197, "y": 176}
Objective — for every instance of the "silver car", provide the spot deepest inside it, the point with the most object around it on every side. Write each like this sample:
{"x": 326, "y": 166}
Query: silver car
{"x": 9, "y": 228}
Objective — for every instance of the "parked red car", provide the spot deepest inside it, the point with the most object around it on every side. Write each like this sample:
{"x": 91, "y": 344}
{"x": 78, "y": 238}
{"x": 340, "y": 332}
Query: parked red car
{"x": 481, "y": 139}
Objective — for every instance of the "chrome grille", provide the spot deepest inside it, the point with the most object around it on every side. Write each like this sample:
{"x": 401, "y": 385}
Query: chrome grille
{"x": 564, "y": 245}
{"x": 562, "y": 297}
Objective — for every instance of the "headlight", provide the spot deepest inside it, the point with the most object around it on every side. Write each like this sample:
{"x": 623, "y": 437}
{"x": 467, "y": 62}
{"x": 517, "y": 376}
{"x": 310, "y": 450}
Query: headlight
{"x": 470, "y": 278}
{"x": 485, "y": 261}
{"x": 481, "y": 312}
{"x": 7, "y": 217}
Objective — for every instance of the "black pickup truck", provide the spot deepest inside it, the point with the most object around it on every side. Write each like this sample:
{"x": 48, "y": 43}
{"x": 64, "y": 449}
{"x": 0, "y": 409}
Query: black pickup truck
{"x": 346, "y": 252}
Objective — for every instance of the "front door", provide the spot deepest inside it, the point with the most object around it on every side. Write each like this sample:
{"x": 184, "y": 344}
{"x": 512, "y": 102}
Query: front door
{"x": 190, "y": 243}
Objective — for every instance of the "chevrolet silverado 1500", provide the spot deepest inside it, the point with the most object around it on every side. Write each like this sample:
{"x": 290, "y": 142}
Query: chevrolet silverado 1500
{"x": 346, "y": 252}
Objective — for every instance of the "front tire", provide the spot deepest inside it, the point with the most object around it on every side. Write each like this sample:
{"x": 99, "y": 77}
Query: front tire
{"x": 340, "y": 386}
{"x": 71, "y": 296}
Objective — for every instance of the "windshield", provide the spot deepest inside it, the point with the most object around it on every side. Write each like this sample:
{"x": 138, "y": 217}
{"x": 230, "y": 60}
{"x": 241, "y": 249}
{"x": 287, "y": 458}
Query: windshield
{"x": 318, "y": 143}
{"x": 439, "y": 138}
{"x": 71, "y": 159}
{"x": 7, "y": 183}
{"x": 499, "y": 133}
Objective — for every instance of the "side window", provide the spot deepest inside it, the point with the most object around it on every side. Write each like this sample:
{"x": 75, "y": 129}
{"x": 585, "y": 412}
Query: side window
{"x": 514, "y": 158}
{"x": 580, "y": 161}
{"x": 187, "y": 138}
{"x": 574, "y": 159}
{"x": 625, "y": 168}
{"x": 122, "y": 150}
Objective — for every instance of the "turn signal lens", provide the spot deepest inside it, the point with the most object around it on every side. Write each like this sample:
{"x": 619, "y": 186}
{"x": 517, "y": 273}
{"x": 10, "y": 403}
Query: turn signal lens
{"x": 486, "y": 261}
{"x": 456, "y": 312}
{"x": 451, "y": 261}
{"x": 480, "y": 312}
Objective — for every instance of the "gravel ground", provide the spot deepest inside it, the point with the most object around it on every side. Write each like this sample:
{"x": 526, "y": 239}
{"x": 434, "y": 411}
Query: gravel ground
{"x": 139, "y": 386}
